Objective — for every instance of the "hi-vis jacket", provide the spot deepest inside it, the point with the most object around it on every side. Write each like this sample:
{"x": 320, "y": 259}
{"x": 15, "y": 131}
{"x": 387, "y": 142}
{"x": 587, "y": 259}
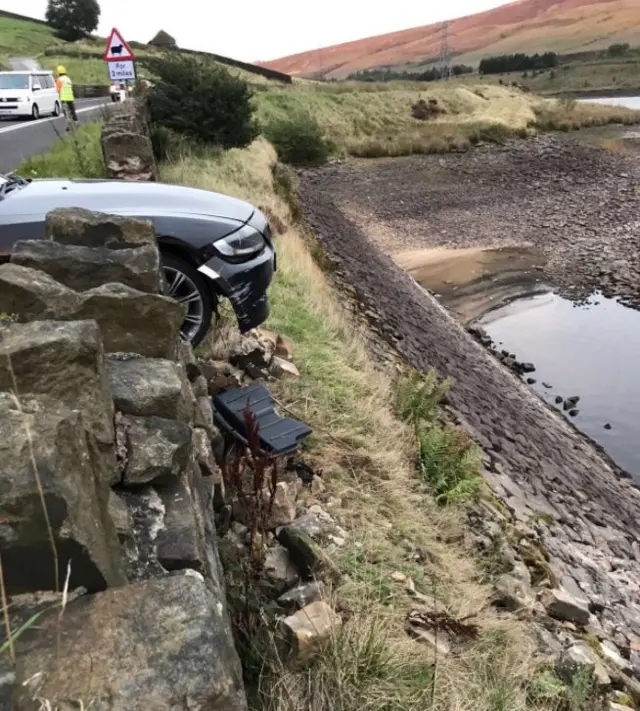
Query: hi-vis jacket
{"x": 64, "y": 85}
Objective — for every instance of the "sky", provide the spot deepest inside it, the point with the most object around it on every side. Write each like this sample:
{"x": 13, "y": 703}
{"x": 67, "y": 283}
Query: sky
{"x": 252, "y": 30}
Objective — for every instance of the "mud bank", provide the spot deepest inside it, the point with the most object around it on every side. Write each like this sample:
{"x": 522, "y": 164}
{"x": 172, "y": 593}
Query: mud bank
{"x": 561, "y": 490}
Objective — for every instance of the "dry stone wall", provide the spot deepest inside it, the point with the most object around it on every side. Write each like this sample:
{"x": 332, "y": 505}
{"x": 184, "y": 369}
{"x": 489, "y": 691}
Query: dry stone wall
{"x": 126, "y": 143}
{"x": 107, "y": 477}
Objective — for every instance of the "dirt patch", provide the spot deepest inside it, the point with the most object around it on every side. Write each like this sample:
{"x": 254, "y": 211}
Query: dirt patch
{"x": 471, "y": 281}
{"x": 550, "y": 476}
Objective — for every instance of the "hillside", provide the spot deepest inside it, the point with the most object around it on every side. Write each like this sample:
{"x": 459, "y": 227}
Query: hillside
{"x": 562, "y": 26}
{"x": 21, "y": 37}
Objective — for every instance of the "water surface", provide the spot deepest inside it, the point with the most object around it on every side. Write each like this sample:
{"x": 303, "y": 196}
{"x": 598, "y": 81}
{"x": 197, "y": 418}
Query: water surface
{"x": 628, "y": 102}
{"x": 592, "y": 351}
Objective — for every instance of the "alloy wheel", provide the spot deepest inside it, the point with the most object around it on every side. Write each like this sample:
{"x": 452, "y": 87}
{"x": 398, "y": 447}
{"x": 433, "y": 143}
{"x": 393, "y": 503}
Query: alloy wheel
{"x": 182, "y": 289}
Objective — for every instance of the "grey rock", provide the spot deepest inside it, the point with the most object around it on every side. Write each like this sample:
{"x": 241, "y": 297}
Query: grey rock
{"x": 132, "y": 321}
{"x": 31, "y": 294}
{"x": 156, "y": 447}
{"x": 65, "y": 361}
{"x": 149, "y": 386}
{"x": 310, "y": 560}
{"x": 579, "y": 656}
{"x": 77, "y": 226}
{"x": 279, "y": 570}
{"x": 302, "y": 595}
{"x": 163, "y": 644}
{"x": 178, "y": 544}
{"x": 203, "y": 414}
{"x": 512, "y": 593}
{"x": 82, "y": 268}
{"x": 252, "y": 352}
{"x": 47, "y": 433}
{"x": 612, "y": 654}
{"x": 120, "y": 515}
{"x": 559, "y": 603}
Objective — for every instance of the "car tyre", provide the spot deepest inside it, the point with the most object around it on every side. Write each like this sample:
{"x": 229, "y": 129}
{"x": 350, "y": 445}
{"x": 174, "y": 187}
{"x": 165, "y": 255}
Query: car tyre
{"x": 35, "y": 112}
{"x": 186, "y": 285}
{"x": 57, "y": 110}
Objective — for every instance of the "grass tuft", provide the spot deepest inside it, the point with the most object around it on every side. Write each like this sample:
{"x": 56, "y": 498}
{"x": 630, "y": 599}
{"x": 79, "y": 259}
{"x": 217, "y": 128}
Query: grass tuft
{"x": 73, "y": 155}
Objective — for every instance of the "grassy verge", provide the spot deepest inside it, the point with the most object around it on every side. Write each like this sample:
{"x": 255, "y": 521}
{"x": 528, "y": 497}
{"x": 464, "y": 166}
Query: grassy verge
{"x": 368, "y": 455}
{"x": 376, "y": 120}
{"x": 72, "y": 155}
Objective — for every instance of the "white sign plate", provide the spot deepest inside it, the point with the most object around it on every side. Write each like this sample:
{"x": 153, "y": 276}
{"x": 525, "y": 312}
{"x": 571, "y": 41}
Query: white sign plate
{"x": 122, "y": 71}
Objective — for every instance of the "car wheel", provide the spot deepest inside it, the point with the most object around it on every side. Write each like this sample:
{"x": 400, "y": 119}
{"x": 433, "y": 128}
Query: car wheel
{"x": 186, "y": 285}
{"x": 35, "y": 112}
{"x": 56, "y": 109}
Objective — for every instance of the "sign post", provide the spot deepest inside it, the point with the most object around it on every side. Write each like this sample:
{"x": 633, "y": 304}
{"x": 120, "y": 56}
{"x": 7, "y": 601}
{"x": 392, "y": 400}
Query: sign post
{"x": 119, "y": 58}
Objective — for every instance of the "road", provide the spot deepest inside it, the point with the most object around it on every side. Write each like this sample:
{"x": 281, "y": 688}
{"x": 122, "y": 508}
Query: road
{"x": 26, "y": 138}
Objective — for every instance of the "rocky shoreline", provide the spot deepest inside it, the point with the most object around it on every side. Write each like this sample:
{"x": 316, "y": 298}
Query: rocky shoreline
{"x": 565, "y": 500}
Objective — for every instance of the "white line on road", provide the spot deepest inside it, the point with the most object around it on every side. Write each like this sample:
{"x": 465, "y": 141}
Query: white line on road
{"x": 28, "y": 124}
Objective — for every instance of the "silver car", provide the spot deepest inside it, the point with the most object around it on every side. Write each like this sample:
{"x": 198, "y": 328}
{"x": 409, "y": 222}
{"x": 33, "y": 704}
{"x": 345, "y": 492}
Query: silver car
{"x": 212, "y": 245}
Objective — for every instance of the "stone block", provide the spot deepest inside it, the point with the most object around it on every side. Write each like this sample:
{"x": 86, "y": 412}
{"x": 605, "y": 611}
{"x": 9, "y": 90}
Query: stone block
{"x": 156, "y": 447}
{"x": 66, "y": 481}
{"x": 65, "y": 361}
{"x": 81, "y": 268}
{"x": 149, "y": 386}
{"x": 163, "y": 644}
{"x": 86, "y": 228}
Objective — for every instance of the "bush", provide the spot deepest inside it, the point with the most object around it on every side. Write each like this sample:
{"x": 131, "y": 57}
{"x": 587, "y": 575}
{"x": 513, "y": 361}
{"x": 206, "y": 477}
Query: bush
{"x": 299, "y": 140}
{"x": 198, "y": 98}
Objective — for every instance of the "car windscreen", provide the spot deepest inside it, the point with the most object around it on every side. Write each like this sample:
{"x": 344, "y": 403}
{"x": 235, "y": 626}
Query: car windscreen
{"x": 14, "y": 81}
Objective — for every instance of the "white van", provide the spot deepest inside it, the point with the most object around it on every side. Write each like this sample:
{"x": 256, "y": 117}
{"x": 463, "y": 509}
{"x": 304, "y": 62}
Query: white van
{"x": 28, "y": 93}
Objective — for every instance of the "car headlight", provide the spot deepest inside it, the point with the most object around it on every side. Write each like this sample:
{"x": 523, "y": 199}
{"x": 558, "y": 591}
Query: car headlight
{"x": 240, "y": 245}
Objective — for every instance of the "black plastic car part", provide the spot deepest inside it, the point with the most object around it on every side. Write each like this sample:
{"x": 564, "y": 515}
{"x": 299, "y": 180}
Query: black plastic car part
{"x": 278, "y": 435}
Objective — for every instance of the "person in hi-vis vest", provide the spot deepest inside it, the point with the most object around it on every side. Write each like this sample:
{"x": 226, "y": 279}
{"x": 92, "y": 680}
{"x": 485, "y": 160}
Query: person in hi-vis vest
{"x": 64, "y": 85}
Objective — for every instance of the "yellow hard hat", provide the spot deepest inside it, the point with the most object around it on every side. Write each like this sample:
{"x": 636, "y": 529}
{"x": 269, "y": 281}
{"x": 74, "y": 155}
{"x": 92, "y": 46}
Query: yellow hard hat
{"x": 61, "y": 70}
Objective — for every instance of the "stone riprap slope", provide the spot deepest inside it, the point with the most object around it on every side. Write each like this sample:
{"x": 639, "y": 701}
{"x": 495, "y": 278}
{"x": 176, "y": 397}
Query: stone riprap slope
{"x": 571, "y": 513}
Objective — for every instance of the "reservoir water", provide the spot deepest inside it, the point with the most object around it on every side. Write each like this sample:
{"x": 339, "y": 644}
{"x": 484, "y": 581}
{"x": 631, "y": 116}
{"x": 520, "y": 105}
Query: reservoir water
{"x": 591, "y": 351}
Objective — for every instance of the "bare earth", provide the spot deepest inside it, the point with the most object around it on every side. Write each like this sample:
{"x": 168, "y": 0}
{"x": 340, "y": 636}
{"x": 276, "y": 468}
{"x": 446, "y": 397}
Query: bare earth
{"x": 577, "y": 208}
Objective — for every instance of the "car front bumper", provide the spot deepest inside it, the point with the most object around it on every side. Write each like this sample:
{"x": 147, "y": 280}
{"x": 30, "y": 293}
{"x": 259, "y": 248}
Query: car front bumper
{"x": 15, "y": 108}
{"x": 245, "y": 285}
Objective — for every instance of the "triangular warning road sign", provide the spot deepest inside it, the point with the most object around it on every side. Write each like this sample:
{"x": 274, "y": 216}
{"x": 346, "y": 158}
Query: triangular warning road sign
{"x": 117, "y": 48}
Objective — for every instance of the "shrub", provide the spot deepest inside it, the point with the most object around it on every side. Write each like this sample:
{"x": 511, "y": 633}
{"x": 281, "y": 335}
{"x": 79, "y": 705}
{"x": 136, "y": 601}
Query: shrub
{"x": 200, "y": 99}
{"x": 299, "y": 140}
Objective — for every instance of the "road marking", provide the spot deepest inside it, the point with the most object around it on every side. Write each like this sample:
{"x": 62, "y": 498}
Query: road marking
{"x": 50, "y": 119}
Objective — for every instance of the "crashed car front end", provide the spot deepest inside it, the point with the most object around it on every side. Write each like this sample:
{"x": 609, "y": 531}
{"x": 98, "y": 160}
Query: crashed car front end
{"x": 242, "y": 266}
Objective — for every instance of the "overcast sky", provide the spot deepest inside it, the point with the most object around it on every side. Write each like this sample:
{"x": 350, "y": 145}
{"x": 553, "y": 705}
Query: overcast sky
{"x": 263, "y": 29}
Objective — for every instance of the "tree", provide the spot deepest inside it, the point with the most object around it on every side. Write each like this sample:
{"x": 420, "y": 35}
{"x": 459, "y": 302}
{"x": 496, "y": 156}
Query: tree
{"x": 201, "y": 100}
{"x": 73, "y": 19}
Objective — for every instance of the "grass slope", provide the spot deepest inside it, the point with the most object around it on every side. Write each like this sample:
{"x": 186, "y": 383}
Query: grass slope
{"x": 524, "y": 26}
{"x": 83, "y": 60}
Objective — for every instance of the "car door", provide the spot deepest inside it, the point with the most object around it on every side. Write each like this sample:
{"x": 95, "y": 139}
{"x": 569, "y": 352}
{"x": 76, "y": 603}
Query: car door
{"x": 48, "y": 90}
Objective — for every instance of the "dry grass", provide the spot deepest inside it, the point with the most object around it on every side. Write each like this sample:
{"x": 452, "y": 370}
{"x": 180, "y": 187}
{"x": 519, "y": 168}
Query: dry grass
{"x": 367, "y": 455}
{"x": 376, "y": 120}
